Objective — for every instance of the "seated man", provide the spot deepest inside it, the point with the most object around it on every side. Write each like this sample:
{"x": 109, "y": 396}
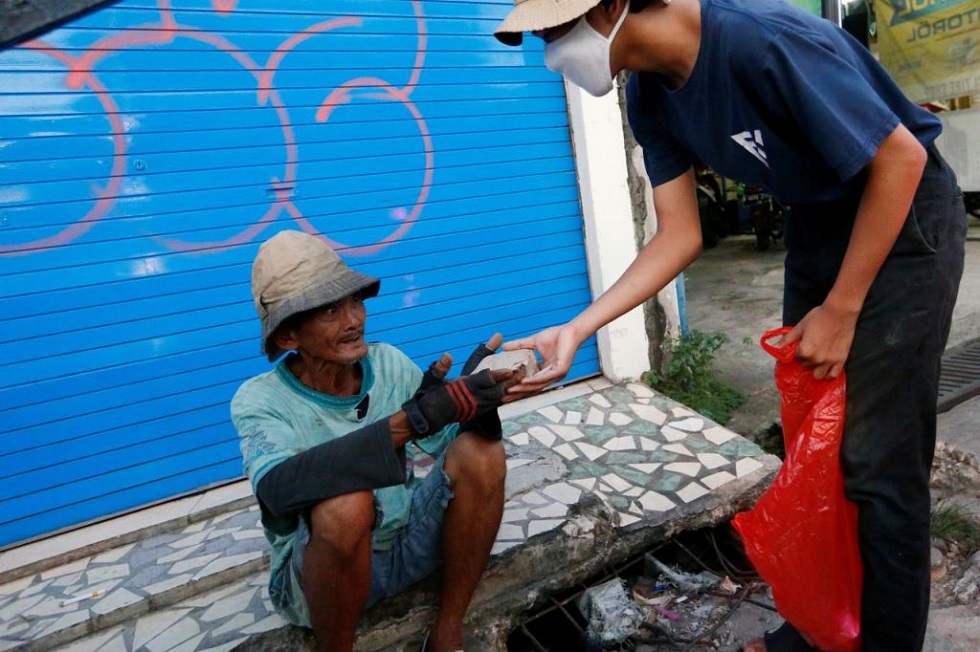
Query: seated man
{"x": 324, "y": 435}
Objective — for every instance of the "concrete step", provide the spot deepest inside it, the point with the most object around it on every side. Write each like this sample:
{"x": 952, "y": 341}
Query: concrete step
{"x": 595, "y": 473}
{"x": 52, "y": 604}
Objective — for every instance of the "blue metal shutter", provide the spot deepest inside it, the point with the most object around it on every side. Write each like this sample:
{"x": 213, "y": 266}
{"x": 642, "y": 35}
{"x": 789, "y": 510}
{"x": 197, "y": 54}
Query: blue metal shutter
{"x": 148, "y": 148}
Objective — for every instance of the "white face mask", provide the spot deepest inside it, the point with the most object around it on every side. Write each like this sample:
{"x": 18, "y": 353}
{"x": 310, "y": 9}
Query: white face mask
{"x": 582, "y": 55}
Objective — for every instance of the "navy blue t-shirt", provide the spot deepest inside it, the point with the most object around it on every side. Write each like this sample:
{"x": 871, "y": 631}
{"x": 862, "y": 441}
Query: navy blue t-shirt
{"x": 778, "y": 98}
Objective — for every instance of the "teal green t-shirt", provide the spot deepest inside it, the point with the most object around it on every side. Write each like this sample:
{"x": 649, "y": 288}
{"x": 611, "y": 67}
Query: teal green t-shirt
{"x": 277, "y": 417}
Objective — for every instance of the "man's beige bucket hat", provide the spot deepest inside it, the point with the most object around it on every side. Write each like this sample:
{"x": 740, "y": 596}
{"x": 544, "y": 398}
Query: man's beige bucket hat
{"x": 295, "y": 272}
{"x": 531, "y": 15}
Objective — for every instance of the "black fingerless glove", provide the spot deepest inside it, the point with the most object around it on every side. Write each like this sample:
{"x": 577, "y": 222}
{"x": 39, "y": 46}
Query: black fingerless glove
{"x": 486, "y": 425}
{"x": 431, "y": 378}
{"x": 476, "y": 358}
{"x": 460, "y": 400}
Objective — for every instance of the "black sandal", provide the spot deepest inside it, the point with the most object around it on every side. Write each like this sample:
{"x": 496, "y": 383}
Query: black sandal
{"x": 785, "y": 638}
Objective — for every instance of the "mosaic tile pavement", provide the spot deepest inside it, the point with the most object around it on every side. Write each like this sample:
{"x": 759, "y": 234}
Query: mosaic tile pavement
{"x": 203, "y": 587}
{"x": 640, "y": 453}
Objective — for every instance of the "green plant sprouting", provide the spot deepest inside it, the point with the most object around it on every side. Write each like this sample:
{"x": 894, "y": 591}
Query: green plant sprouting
{"x": 687, "y": 376}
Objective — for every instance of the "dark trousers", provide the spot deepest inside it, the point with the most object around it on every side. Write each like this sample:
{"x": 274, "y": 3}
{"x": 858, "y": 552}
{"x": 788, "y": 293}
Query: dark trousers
{"x": 892, "y": 380}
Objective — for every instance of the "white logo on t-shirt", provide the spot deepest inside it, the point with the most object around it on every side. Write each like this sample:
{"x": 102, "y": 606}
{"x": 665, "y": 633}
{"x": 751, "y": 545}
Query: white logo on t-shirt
{"x": 752, "y": 142}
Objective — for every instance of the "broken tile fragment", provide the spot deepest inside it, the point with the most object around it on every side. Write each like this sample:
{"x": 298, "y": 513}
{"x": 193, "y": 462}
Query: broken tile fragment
{"x": 542, "y": 525}
{"x": 672, "y": 434}
{"x": 718, "y": 435}
{"x": 595, "y": 417}
{"x": 639, "y": 390}
{"x": 680, "y": 449}
{"x": 616, "y": 482}
{"x": 691, "y": 492}
{"x": 566, "y": 451}
{"x": 715, "y": 480}
{"x": 590, "y": 451}
{"x": 563, "y": 493}
{"x": 500, "y": 547}
{"x": 534, "y": 498}
{"x": 550, "y": 511}
{"x": 746, "y": 465}
{"x": 619, "y": 419}
{"x": 627, "y": 519}
{"x": 646, "y": 467}
{"x": 690, "y": 469}
{"x": 509, "y": 532}
{"x": 654, "y": 502}
{"x": 552, "y": 413}
{"x": 690, "y": 424}
{"x": 521, "y": 439}
{"x": 543, "y": 435}
{"x": 649, "y": 413}
{"x": 568, "y": 433}
{"x": 515, "y": 514}
{"x": 648, "y": 444}
{"x": 625, "y": 443}
{"x": 585, "y": 483}
{"x": 712, "y": 460}
{"x": 600, "y": 400}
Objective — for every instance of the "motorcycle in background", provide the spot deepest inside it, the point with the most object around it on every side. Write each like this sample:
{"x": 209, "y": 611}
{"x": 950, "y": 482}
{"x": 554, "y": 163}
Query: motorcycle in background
{"x": 768, "y": 217}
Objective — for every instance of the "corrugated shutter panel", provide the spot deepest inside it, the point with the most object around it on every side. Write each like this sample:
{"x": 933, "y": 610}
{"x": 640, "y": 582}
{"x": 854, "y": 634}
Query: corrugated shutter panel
{"x": 149, "y": 147}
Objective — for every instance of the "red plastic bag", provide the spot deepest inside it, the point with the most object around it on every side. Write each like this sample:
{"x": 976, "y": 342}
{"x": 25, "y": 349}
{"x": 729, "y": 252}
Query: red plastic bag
{"x": 802, "y": 534}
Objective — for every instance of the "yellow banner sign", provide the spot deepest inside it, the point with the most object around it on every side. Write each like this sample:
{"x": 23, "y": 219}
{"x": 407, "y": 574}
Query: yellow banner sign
{"x": 931, "y": 47}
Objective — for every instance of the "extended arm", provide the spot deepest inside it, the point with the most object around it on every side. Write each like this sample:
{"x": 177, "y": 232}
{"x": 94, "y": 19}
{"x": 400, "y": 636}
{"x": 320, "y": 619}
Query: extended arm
{"x": 675, "y": 246}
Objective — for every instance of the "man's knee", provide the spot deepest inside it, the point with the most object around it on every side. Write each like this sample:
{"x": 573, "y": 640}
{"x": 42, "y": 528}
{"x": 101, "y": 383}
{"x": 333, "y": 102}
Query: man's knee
{"x": 474, "y": 459}
{"x": 343, "y": 523}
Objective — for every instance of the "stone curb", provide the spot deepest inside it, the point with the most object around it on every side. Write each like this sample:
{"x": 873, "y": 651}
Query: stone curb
{"x": 116, "y": 541}
{"x": 99, "y": 622}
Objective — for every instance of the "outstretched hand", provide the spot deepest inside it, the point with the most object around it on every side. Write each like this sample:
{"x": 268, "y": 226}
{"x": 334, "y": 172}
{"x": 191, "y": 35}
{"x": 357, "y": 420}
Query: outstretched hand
{"x": 506, "y": 378}
{"x": 557, "y": 346}
{"x": 436, "y": 374}
{"x": 462, "y": 399}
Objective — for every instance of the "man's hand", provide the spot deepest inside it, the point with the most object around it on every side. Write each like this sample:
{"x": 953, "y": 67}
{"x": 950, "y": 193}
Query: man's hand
{"x": 825, "y": 335}
{"x": 481, "y": 352}
{"x": 435, "y": 375}
{"x": 487, "y": 425}
{"x": 557, "y": 346}
{"x": 459, "y": 400}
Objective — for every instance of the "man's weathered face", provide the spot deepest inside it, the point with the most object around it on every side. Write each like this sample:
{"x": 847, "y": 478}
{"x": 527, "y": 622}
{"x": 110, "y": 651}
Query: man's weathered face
{"x": 334, "y": 332}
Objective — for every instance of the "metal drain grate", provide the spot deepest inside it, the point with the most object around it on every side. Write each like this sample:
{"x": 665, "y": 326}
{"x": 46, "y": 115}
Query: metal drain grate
{"x": 960, "y": 377}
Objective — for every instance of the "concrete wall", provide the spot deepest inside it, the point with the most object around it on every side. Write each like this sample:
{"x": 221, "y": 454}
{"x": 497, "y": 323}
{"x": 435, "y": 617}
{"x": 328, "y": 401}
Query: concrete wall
{"x": 617, "y": 206}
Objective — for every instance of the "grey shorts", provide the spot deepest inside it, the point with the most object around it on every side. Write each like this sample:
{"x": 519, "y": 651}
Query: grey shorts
{"x": 416, "y": 549}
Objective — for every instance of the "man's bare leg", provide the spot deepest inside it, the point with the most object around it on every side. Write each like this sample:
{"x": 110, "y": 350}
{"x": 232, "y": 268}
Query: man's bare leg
{"x": 478, "y": 468}
{"x": 337, "y": 568}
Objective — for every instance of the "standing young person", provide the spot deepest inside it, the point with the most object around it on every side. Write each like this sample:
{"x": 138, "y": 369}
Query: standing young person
{"x": 772, "y": 96}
